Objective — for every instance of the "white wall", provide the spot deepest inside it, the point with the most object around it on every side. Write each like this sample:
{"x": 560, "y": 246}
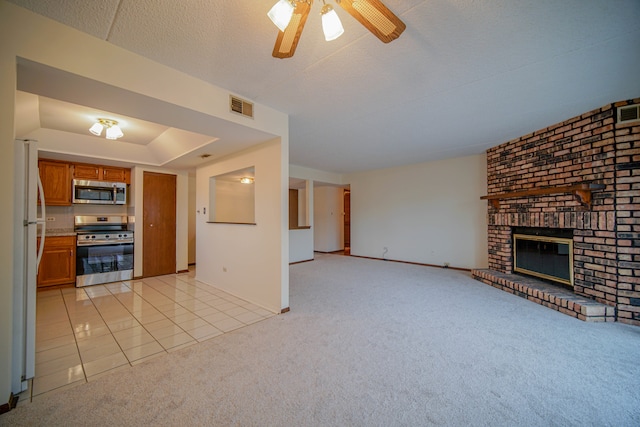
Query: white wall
{"x": 35, "y": 38}
{"x": 328, "y": 235}
{"x": 303, "y": 202}
{"x": 231, "y": 201}
{"x": 428, "y": 213}
{"x": 300, "y": 245}
{"x": 191, "y": 232}
{"x": 249, "y": 261}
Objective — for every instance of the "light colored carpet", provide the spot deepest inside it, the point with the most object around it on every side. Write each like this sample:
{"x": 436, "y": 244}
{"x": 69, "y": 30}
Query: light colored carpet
{"x": 374, "y": 343}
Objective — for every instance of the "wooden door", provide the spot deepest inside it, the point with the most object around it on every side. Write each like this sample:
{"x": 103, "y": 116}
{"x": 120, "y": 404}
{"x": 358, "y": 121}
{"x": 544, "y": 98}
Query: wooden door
{"x": 347, "y": 219}
{"x": 293, "y": 209}
{"x": 159, "y": 224}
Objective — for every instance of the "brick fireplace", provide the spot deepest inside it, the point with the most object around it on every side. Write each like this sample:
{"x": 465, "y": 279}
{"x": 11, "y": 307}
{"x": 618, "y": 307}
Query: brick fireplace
{"x": 581, "y": 175}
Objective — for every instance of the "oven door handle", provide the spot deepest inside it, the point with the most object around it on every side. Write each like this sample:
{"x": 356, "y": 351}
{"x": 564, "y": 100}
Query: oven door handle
{"x": 79, "y": 244}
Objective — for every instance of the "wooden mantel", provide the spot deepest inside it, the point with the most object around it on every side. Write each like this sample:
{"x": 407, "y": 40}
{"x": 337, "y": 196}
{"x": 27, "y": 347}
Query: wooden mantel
{"x": 581, "y": 191}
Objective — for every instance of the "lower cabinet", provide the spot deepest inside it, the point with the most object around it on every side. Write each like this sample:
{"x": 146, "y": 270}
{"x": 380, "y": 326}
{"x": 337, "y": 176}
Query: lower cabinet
{"x": 58, "y": 265}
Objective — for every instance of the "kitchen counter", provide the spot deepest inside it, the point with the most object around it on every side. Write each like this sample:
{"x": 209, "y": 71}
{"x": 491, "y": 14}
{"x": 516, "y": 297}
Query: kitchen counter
{"x": 60, "y": 232}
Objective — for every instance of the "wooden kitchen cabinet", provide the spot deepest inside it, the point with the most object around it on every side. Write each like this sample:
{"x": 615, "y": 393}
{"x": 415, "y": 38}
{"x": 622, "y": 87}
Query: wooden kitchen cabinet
{"x": 58, "y": 265}
{"x": 101, "y": 173}
{"x": 56, "y": 182}
{"x": 91, "y": 172}
{"x": 116, "y": 174}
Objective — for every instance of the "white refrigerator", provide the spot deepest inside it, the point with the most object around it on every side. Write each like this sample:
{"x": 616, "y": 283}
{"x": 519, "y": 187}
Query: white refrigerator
{"x": 26, "y": 261}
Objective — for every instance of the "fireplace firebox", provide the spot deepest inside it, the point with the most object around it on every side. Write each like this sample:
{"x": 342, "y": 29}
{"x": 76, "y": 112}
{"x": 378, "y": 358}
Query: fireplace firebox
{"x": 544, "y": 253}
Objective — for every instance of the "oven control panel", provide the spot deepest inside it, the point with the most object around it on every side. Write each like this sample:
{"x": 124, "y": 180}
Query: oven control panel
{"x": 109, "y": 238}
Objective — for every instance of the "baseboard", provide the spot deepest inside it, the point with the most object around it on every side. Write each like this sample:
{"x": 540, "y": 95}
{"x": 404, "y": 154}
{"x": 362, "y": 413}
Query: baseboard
{"x": 182, "y": 271}
{"x": 413, "y": 263}
{"x": 300, "y": 262}
{"x": 6, "y": 407}
{"x": 285, "y": 310}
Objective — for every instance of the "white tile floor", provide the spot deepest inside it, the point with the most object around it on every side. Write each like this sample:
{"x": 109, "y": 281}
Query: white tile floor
{"x": 82, "y": 333}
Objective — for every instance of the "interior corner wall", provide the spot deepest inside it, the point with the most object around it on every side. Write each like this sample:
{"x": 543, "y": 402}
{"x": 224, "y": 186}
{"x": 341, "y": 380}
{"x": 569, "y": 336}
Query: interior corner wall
{"x": 328, "y": 217}
{"x": 191, "y": 255}
{"x": 249, "y": 261}
{"x": 301, "y": 242}
{"x": 7, "y": 192}
{"x": 428, "y": 213}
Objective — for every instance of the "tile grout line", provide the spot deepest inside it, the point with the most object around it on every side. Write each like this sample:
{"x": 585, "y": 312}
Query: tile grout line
{"x": 110, "y": 330}
{"x": 161, "y": 286}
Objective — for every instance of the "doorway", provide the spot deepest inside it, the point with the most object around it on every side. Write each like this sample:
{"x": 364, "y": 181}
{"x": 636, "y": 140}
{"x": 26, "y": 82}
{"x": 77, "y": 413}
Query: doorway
{"x": 347, "y": 222}
{"x": 159, "y": 224}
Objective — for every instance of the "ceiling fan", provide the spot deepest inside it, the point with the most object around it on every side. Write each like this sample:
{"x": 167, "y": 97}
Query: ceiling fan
{"x": 290, "y": 16}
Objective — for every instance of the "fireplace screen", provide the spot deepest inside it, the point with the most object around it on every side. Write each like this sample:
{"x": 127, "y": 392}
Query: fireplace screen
{"x": 546, "y": 257}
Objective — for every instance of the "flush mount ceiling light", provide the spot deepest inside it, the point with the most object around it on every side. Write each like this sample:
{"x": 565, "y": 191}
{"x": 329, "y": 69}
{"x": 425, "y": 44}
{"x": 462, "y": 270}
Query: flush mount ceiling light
{"x": 246, "y": 180}
{"x": 290, "y": 17}
{"x": 113, "y": 130}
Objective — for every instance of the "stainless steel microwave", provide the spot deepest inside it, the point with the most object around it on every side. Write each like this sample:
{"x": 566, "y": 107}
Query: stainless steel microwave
{"x": 99, "y": 192}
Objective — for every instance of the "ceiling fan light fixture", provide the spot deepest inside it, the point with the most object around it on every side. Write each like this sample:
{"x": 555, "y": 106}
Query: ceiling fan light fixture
{"x": 331, "y": 25}
{"x": 96, "y": 129}
{"x": 372, "y": 14}
{"x": 281, "y": 13}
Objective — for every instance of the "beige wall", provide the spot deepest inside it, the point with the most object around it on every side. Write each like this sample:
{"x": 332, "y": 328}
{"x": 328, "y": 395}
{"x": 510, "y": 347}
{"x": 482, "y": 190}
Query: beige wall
{"x": 47, "y": 42}
{"x": 7, "y": 93}
{"x": 250, "y": 261}
{"x": 191, "y": 256}
{"x": 302, "y": 241}
{"x": 428, "y": 213}
{"x": 328, "y": 235}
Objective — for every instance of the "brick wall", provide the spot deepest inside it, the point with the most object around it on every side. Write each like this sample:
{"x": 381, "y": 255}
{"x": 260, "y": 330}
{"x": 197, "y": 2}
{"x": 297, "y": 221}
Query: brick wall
{"x": 589, "y": 148}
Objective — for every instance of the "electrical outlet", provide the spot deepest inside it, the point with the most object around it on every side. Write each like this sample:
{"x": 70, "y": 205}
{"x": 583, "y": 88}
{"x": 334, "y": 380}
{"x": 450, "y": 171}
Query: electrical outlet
{"x": 51, "y": 218}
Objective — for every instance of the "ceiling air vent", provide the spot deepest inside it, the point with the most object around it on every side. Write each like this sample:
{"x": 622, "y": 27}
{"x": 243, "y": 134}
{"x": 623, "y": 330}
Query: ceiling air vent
{"x": 241, "y": 106}
{"x": 629, "y": 113}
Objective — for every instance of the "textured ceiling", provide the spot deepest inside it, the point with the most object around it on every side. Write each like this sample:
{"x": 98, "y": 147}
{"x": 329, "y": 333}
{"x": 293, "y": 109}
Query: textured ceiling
{"x": 464, "y": 76}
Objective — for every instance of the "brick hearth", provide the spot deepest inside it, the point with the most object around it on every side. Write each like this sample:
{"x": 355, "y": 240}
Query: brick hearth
{"x": 555, "y": 297}
{"x": 591, "y": 148}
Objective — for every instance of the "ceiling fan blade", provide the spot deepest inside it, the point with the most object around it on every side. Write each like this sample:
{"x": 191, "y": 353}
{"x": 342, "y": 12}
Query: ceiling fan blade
{"x": 376, "y": 17}
{"x": 287, "y": 40}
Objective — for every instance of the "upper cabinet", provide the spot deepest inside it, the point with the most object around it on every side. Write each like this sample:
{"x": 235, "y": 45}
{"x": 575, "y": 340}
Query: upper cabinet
{"x": 116, "y": 174}
{"x": 56, "y": 182}
{"x": 57, "y": 178}
{"x": 91, "y": 172}
{"x": 101, "y": 173}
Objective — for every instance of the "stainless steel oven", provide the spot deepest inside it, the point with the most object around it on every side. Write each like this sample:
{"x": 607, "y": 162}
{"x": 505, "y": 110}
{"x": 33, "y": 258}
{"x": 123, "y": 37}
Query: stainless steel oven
{"x": 104, "y": 250}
